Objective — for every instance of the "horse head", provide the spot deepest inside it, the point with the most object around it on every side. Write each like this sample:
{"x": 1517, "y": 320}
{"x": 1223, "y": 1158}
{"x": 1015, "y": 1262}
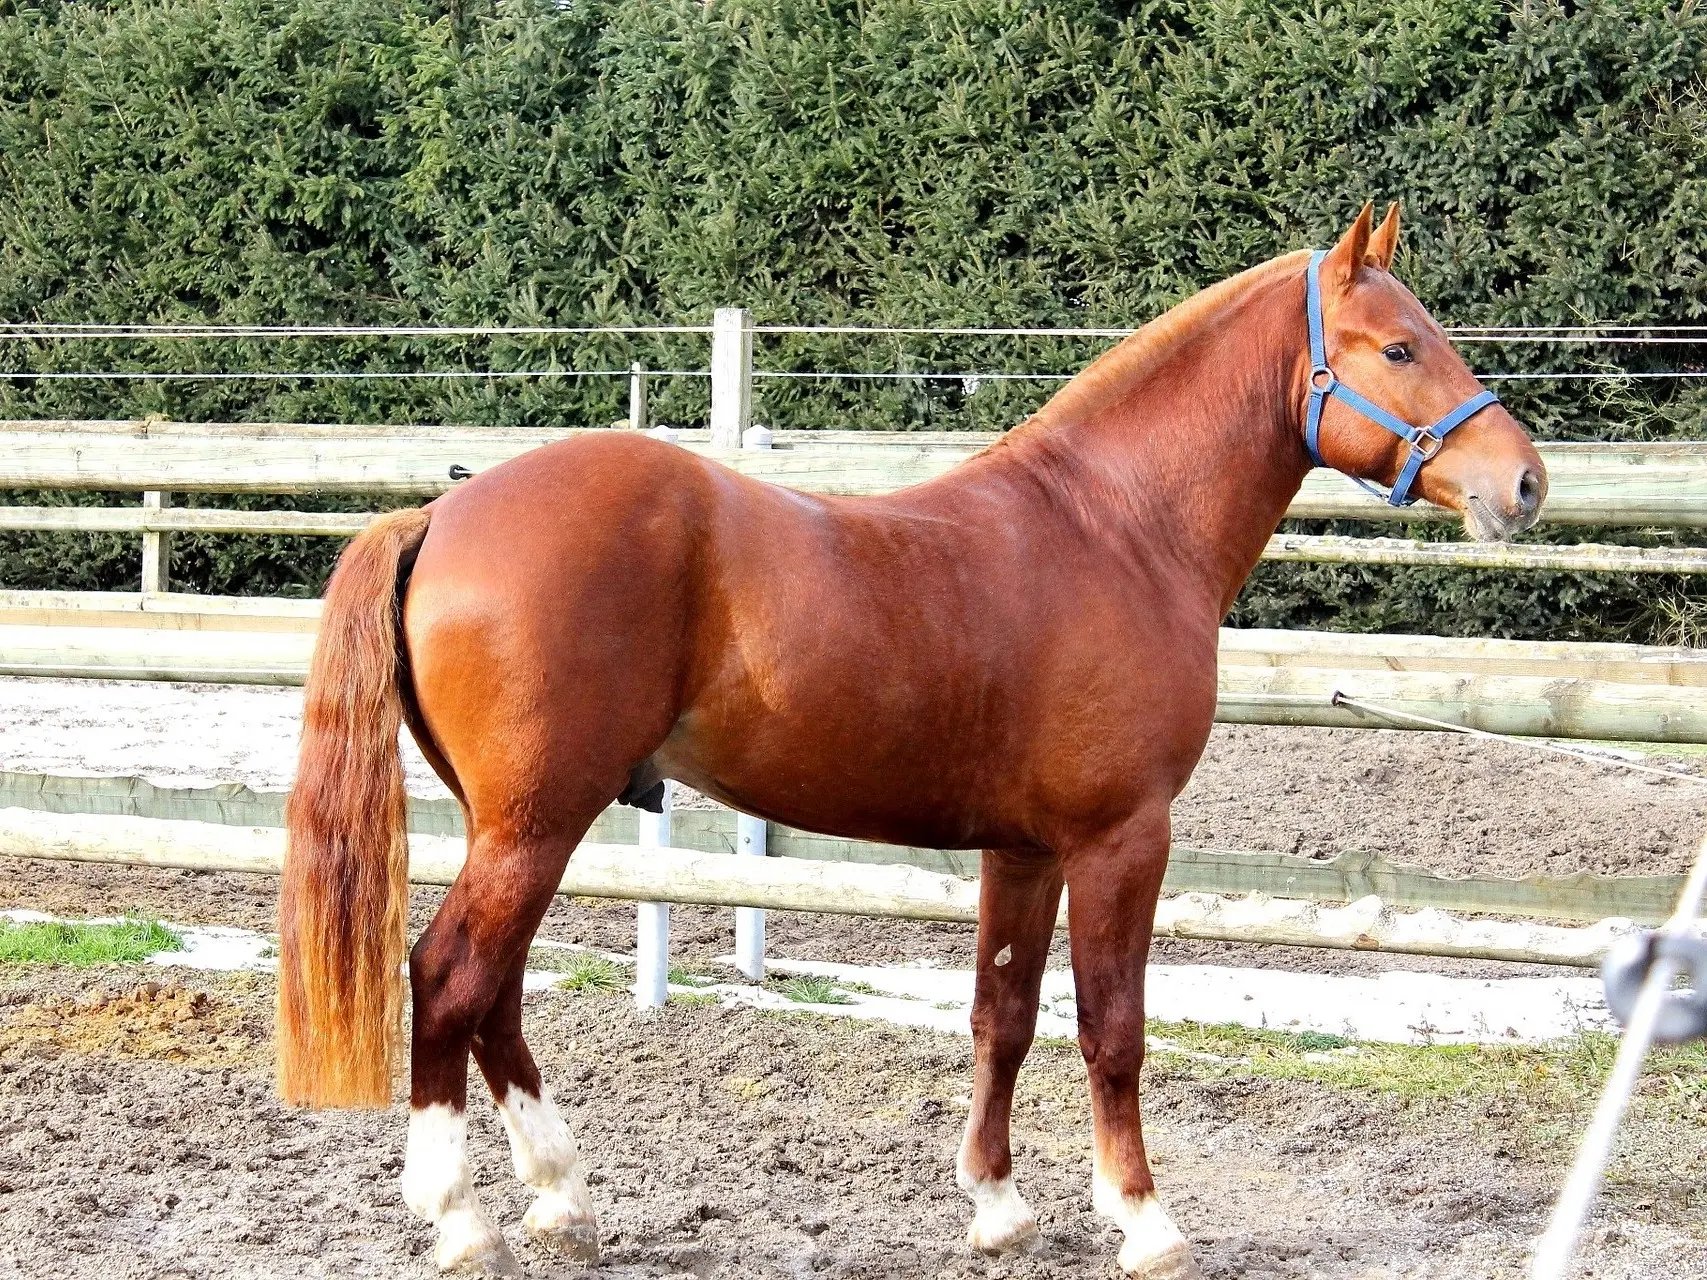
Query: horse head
{"x": 1381, "y": 367}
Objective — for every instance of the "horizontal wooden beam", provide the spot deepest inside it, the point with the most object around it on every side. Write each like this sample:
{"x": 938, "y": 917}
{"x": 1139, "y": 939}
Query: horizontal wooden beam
{"x": 1524, "y": 691}
{"x": 797, "y": 884}
{"x": 1523, "y": 706}
{"x": 182, "y": 520}
{"x": 1622, "y": 484}
{"x": 1582, "y": 557}
{"x": 1246, "y": 647}
{"x": 1464, "y": 655}
{"x": 1647, "y": 899}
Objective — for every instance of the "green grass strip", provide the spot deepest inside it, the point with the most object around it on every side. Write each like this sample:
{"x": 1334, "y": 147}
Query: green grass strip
{"x": 57, "y": 942}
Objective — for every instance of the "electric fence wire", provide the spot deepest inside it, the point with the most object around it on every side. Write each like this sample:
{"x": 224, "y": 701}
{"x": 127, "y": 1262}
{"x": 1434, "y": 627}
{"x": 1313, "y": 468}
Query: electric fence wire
{"x": 1554, "y": 1250}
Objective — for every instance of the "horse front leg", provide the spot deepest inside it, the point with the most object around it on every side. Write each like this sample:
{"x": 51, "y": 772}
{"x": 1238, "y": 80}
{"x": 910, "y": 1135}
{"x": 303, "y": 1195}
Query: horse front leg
{"x": 1113, "y": 883}
{"x": 1018, "y": 896}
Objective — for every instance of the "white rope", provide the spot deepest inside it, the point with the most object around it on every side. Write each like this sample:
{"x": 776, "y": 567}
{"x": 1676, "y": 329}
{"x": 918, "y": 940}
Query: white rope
{"x": 1553, "y": 1251}
{"x": 945, "y": 377}
{"x": 344, "y": 375}
{"x": 1613, "y": 375}
{"x": 826, "y": 375}
{"x": 1552, "y": 748}
{"x": 63, "y": 331}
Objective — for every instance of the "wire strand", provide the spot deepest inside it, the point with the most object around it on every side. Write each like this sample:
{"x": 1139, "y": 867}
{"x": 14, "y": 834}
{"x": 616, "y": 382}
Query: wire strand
{"x": 54, "y": 331}
{"x": 1340, "y": 699}
{"x": 345, "y": 375}
{"x": 1553, "y": 1251}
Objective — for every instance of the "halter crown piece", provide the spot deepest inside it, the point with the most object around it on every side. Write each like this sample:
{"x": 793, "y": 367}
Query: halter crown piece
{"x": 1425, "y": 442}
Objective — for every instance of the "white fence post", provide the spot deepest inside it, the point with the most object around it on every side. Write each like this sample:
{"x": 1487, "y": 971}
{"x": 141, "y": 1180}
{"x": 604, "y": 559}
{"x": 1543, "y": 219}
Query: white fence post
{"x": 750, "y": 831}
{"x": 652, "y": 925}
{"x": 731, "y": 376}
{"x": 156, "y": 548}
{"x": 750, "y": 921}
{"x": 637, "y": 396}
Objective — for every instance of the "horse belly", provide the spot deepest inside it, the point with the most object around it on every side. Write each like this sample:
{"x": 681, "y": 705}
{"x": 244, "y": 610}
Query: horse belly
{"x": 852, "y": 761}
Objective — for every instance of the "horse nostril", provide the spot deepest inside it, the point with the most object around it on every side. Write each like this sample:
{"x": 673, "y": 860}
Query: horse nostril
{"x": 1528, "y": 492}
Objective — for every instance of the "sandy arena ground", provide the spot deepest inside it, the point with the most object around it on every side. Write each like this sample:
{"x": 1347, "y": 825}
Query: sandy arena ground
{"x": 142, "y": 1140}
{"x": 139, "y": 1136}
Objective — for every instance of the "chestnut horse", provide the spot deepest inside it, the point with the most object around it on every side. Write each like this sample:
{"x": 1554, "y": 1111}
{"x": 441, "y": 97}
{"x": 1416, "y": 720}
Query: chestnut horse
{"x": 1017, "y": 657}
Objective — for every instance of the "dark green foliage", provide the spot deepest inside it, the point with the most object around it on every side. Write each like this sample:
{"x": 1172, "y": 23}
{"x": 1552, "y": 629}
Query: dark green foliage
{"x": 936, "y": 162}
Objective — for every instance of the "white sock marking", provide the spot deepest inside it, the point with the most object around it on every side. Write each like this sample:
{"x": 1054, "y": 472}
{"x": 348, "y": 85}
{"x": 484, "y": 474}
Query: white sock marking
{"x": 1000, "y": 1216}
{"x": 548, "y": 1161}
{"x": 1150, "y": 1234}
{"x": 439, "y": 1186}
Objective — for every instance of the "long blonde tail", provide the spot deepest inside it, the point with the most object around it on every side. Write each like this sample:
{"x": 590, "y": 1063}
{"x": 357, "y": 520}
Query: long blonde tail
{"x": 344, "y": 900}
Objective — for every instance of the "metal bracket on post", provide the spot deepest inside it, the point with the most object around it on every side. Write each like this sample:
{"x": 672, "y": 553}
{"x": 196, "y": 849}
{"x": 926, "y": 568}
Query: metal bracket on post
{"x": 731, "y": 376}
{"x": 652, "y": 924}
{"x": 156, "y": 547}
{"x": 637, "y": 396}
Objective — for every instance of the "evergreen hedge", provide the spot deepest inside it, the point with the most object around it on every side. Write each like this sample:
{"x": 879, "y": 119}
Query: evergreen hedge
{"x": 902, "y": 162}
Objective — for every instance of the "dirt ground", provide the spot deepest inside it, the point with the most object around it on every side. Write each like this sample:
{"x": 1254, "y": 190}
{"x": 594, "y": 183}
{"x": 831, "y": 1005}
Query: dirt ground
{"x": 139, "y": 1138}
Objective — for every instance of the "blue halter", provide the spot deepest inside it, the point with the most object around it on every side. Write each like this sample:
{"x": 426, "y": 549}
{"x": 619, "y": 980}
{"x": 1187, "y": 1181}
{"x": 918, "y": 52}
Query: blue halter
{"x": 1425, "y": 442}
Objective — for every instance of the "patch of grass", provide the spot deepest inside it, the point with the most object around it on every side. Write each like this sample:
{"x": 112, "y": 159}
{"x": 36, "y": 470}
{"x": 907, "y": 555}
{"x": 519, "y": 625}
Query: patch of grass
{"x": 693, "y": 998}
{"x": 1317, "y": 1041}
{"x": 55, "y": 942}
{"x": 1680, "y": 621}
{"x": 1562, "y": 1077}
{"x": 554, "y": 959}
{"x": 679, "y": 977}
{"x": 590, "y": 973}
{"x": 806, "y": 989}
{"x": 861, "y": 988}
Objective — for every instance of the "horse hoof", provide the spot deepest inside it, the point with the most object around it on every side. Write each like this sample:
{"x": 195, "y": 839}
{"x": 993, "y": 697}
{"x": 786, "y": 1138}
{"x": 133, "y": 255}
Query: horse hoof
{"x": 1173, "y": 1263}
{"x": 553, "y": 1222}
{"x": 469, "y": 1245}
{"x": 1003, "y": 1220}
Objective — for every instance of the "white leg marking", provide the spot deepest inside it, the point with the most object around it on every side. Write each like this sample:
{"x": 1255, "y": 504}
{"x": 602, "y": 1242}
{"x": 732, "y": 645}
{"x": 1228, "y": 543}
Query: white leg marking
{"x": 548, "y": 1161}
{"x": 439, "y": 1186}
{"x": 1154, "y": 1247}
{"x": 1001, "y": 1218}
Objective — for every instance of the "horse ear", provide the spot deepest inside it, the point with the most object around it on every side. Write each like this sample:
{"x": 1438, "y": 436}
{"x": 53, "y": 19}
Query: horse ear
{"x": 1384, "y": 240}
{"x": 1340, "y": 267}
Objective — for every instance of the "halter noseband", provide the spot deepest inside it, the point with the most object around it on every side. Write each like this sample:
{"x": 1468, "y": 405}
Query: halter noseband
{"x": 1425, "y": 442}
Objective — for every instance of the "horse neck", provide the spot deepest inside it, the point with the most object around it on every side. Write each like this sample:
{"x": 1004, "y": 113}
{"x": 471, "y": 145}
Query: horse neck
{"x": 1184, "y": 442}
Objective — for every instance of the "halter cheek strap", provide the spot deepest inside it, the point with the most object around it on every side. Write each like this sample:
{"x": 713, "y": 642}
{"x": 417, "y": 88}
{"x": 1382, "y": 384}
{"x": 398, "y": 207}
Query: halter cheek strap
{"x": 1425, "y": 442}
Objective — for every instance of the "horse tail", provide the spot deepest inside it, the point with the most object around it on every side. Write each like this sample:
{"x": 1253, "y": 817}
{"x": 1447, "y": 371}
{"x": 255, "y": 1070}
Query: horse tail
{"x": 344, "y": 899}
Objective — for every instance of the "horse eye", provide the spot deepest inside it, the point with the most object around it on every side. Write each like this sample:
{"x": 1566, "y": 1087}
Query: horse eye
{"x": 1397, "y": 352}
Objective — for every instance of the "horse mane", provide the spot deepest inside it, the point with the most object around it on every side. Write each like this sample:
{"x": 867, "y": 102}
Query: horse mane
{"x": 1121, "y": 369}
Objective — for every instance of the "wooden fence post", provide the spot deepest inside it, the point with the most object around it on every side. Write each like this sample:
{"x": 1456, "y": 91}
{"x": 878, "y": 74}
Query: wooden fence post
{"x": 731, "y": 376}
{"x": 156, "y": 548}
{"x": 637, "y": 396}
{"x": 652, "y": 926}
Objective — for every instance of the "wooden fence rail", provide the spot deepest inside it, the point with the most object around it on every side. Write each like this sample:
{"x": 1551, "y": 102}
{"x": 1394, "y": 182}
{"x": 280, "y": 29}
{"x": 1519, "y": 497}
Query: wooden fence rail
{"x": 1346, "y": 878}
{"x": 670, "y": 874}
{"x": 1597, "y": 484}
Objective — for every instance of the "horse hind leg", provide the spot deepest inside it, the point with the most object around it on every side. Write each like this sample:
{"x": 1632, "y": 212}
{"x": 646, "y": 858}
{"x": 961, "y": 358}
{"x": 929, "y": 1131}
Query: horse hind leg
{"x": 461, "y": 970}
{"x": 1018, "y": 898}
{"x": 541, "y": 1146}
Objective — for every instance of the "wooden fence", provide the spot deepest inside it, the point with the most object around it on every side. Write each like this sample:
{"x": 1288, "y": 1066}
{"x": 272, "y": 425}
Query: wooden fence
{"x": 1618, "y": 692}
{"x": 896, "y": 891}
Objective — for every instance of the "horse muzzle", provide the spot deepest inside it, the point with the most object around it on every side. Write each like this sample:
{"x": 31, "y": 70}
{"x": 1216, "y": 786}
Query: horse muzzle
{"x": 1498, "y": 512}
